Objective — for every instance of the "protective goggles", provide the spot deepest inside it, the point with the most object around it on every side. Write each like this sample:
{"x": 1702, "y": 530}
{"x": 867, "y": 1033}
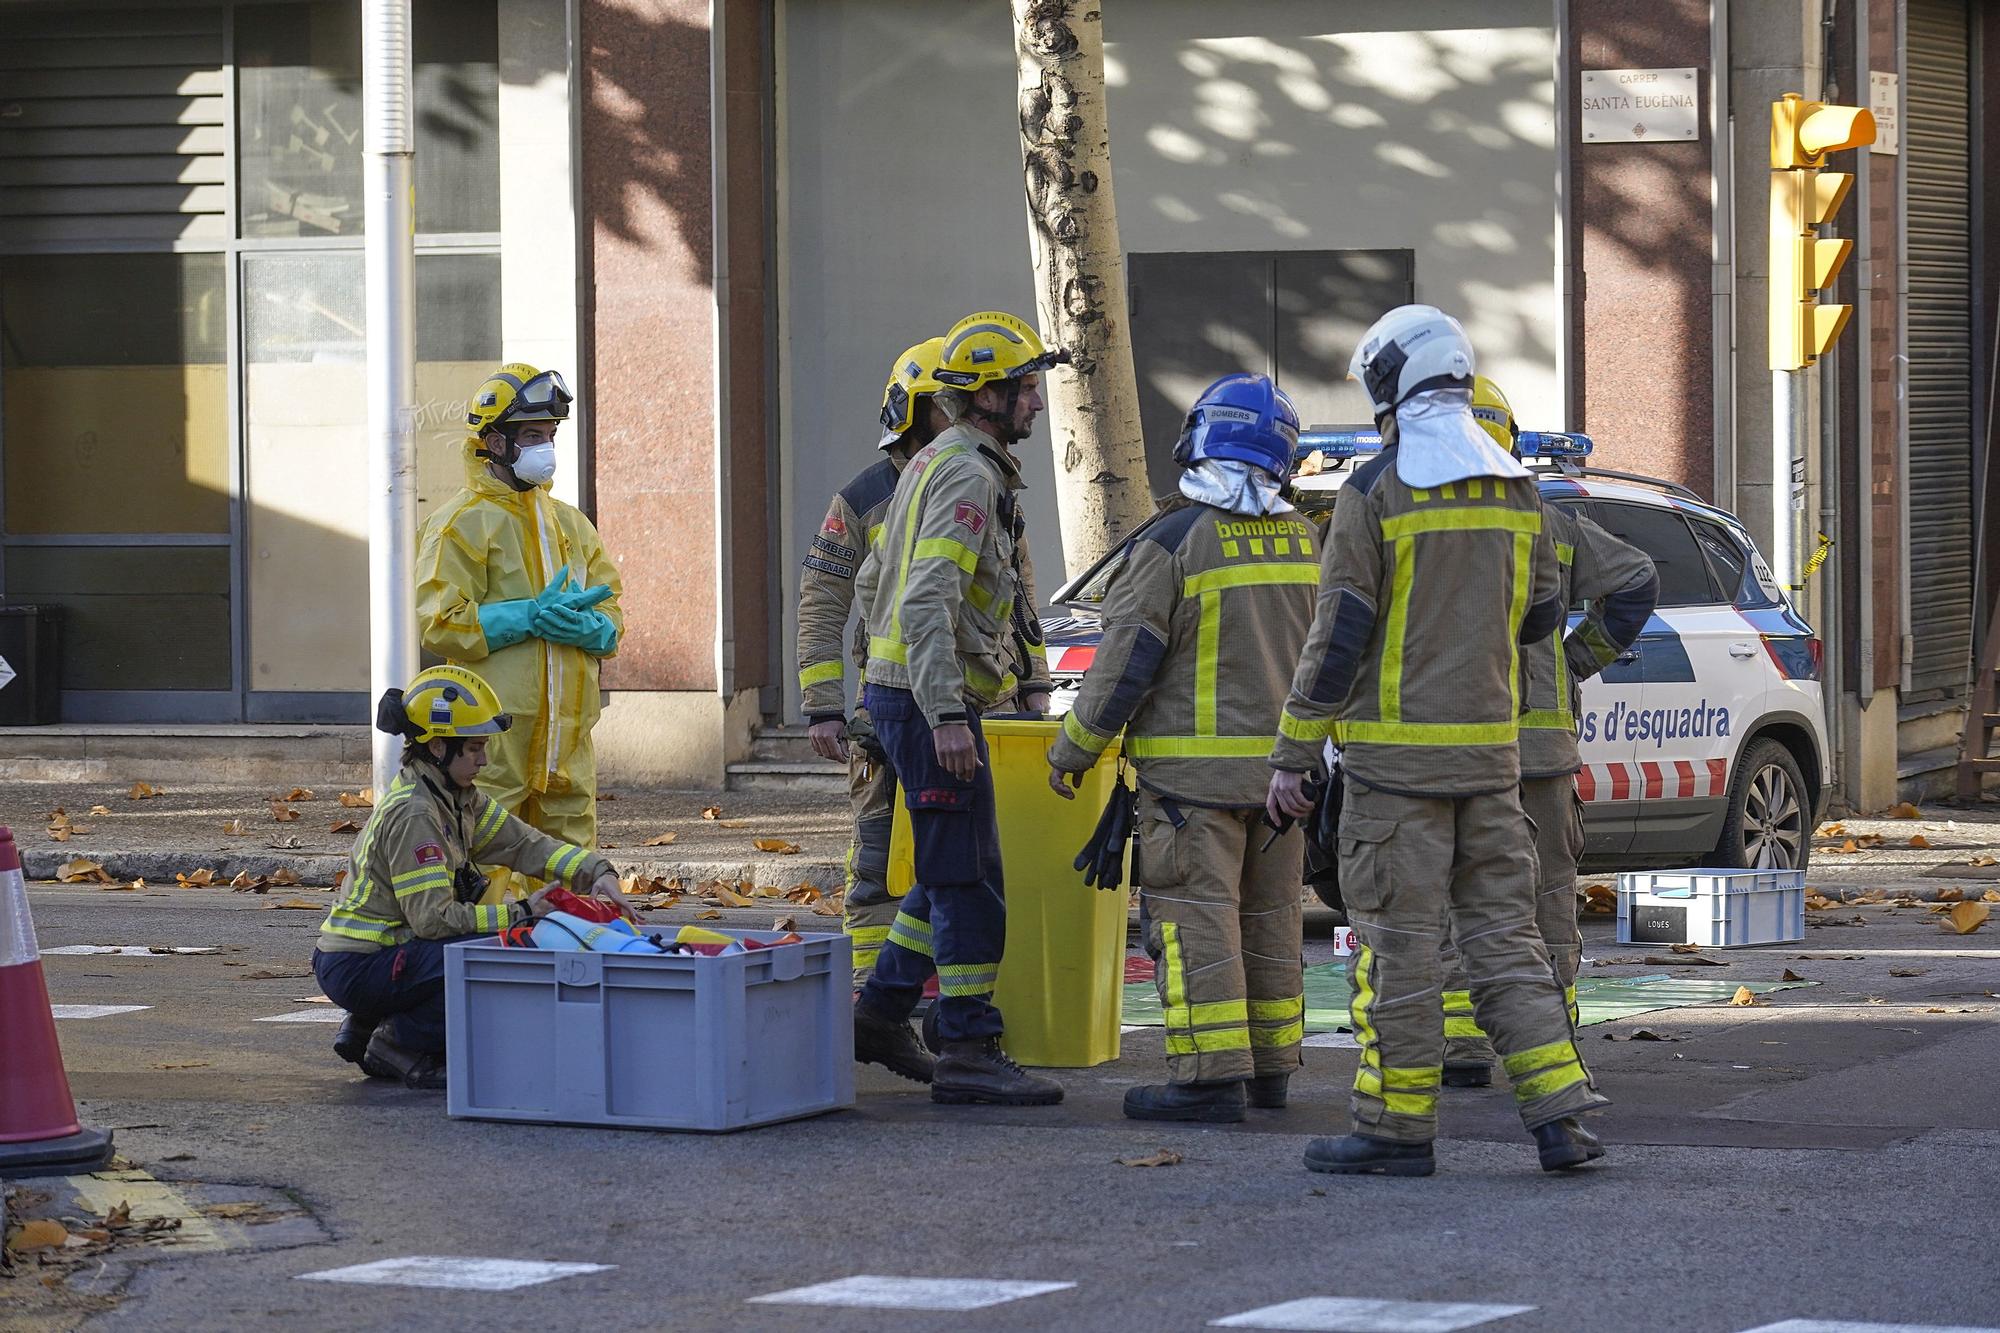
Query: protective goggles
{"x": 546, "y": 397}
{"x": 896, "y": 409}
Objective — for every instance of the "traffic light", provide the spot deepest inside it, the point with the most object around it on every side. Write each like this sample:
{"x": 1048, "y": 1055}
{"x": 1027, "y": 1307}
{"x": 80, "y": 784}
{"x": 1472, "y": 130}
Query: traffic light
{"x": 1803, "y": 197}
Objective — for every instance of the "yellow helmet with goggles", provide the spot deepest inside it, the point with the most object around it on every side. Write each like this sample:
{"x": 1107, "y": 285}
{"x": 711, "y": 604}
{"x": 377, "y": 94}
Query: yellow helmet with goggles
{"x": 991, "y": 347}
{"x": 515, "y": 393}
{"x": 1491, "y": 411}
{"x": 442, "y": 703}
{"x": 913, "y": 376}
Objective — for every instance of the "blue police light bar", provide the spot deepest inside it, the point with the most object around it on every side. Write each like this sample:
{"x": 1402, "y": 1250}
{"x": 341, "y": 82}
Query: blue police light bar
{"x": 1554, "y": 444}
{"x": 1337, "y": 443}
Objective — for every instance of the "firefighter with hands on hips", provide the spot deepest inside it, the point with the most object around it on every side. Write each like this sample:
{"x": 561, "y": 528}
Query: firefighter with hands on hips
{"x": 1202, "y": 622}
{"x": 910, "y": 420}
{"x": 940, "y": 594}
{"x": 516, "y": 581}
{"x": 1438, "y": 567}
{"x": 1619, "y": 585}
{"x": 413, "y": 885}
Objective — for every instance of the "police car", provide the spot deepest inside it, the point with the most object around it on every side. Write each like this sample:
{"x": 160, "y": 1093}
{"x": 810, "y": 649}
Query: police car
{"x": 1705, "y": 744}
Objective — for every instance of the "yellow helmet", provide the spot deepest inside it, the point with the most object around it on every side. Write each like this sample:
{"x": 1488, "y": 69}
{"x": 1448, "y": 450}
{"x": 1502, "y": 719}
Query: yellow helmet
{"x": 518, "y": 392}
{"x": 445, "y": 702}
{"x": 992, "y": 346}
{"x": 1490, "y": 409}
{"x": 912, "y": 376}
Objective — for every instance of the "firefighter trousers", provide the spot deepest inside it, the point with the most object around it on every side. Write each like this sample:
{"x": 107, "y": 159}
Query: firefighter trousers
{"x": 871, "y": 790}
{"x": 1405, "y": 861}
{"x": 954, "y": 921}
{"x": 1222, "y": 917}
{"x": 400, "y": 988}
{"x": 1552, "y": 806}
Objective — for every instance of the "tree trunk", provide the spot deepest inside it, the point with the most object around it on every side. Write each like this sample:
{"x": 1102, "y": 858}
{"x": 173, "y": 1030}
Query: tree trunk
{"x": 1101, "y": 489}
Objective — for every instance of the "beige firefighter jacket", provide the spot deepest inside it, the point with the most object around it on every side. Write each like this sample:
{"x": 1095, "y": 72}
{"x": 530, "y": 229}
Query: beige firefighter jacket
{"x": 1201, "y": 626}
{"x": 1413, "y": 665}
{"x": 399, "y": 878}
{"x": 826, "y": 588}
{"x": 1620, "y": 585}
{"x": 941, "y": 590}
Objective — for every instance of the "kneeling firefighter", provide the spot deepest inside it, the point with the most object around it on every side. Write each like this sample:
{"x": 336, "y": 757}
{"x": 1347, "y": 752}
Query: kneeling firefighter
{"x": 1202, "y": 622}
{"x": 1437, "y": 568}
{"x": 413, "y": 884}
{"x": 1618, "y": 582}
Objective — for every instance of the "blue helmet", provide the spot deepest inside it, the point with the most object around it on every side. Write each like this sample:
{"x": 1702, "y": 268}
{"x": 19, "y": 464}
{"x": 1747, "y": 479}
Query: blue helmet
{"x": 1245, "y": 417}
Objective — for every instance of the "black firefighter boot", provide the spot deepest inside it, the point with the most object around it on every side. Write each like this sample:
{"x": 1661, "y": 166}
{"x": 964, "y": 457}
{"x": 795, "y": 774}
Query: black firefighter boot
{"x": 385, "y": 1058}
{"x": 1565, "y": 1143}
{"x": 1268, "y": 1091}
{"x": 1364, "y": 1154}
{"x": 979, "y": 1071}
{"x": 891, "y": 1044}
{"x": 1209, "y": 1103}
{"x": 351, "y": 1042}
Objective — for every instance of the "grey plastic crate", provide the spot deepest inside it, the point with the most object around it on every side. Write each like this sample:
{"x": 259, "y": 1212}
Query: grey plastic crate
{"x": 647, "y": 1041}
{"x": 1717, "y": 909}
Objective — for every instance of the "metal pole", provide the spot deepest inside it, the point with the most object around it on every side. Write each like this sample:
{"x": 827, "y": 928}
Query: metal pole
{"x": 389, "y": 187}
{"x": 1784, "y": 451}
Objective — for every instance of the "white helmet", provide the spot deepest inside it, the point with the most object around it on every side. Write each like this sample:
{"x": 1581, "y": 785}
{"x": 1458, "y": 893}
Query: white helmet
{"x": 1409, "y": 350}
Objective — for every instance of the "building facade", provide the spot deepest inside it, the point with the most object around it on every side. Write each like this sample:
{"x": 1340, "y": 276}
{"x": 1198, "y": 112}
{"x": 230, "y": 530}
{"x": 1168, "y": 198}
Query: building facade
{"x": 726, "y": 215}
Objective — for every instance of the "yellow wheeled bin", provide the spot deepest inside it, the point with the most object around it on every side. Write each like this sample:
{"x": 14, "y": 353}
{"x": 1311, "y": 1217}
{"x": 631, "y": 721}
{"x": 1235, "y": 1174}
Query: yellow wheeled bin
{"x": 1062, "y": 980}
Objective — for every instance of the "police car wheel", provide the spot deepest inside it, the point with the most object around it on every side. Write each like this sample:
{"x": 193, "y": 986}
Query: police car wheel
{"x": 1769, "y": 824}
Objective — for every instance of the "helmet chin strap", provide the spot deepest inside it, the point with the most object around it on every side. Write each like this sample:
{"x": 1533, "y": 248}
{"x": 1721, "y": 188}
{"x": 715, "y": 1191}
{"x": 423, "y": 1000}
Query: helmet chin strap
{"x": 1004, "y": 419}
{"x": 505, "y": 465}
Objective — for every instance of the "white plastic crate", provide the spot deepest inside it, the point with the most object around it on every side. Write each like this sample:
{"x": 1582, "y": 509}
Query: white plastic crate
{"x": 650, "y": 1041}
{"x": 1717, "y": 909}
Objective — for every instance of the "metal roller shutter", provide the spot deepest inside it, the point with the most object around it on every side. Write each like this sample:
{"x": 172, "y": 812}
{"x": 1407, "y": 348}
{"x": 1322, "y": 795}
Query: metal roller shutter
{"x": 113, "y": 126}
{"x": 1938, "y": 159}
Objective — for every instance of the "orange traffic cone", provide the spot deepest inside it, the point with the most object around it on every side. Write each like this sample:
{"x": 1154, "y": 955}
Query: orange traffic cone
{"x": 39, "y": 1133}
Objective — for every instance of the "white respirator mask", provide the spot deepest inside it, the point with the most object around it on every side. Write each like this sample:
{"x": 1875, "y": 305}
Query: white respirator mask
{"x": 535, "y": 464}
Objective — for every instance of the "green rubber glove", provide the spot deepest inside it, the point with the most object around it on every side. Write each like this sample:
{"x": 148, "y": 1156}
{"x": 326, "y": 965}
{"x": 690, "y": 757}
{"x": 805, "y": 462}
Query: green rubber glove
{"x": 507, "y": 623}
{"x": 592, "y": 631}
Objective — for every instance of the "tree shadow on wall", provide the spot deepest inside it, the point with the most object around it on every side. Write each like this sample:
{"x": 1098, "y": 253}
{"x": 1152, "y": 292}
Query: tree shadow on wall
{"x": 649, "y": 158}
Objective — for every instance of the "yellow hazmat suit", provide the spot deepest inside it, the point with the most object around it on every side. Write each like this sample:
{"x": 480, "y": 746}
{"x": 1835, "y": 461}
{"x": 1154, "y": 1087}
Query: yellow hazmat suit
{"x": 491, "y": 543}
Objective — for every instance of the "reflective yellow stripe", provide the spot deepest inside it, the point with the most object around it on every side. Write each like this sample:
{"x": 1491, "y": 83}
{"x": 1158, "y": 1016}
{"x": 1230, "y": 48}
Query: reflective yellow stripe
{"x": 821, "y": 674}
{"x": 1198, "y": 747}
{"x": 910, "y": 517}
{"x": 966, "y": 979}
{"x": 1463, "y": 1027}
{"x": 1170, "y": 945}
{"x": 991, "y": 686}
{"x": 1362, "y": 999}
{"x": 440, "y": 884}
{"x": 981, "y": 598}
{"x": 1552, "y": 1081}
{"x": 1458, "y": 1001}
{"x": 1292, "y": 728}
{"x": 944, "y": 548}
{"x": 1419, "y": 1077}
{"x": 1082, "y": 737}
{"x": 1517, "y": 609}
{"x": 428, "y": 872}
{"x": 1536, "y": 1057}
{"x": 867, "y": 934}
{"x": 1427, "y": 733}
{"x": 487, "y": 916}
{"x": 563, "y": 860}
{"x": 1249, "y": 576}
{"x": 489, "y": 824}
{"x": 1265, "y": 1010}
{"x": 1389, "y": 695}
{"x": 1207, "y": 650}
{"x": 1565, "y": 554}
{"x": 1207, "y": 1015}
{"x": 1215, "y": 1039}
{"x": 889, "y": 650}
{"x": 1482, "y": 518}
{"x": 1543, "y": 719}
{"x": 1287, "y": 1035}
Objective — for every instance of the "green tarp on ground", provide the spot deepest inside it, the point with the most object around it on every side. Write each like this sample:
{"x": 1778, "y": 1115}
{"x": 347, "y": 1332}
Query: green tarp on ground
{"x": 1601, "y": 999}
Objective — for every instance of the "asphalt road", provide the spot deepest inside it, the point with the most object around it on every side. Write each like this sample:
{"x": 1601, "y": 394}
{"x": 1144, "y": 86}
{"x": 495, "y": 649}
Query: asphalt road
{"x": 1831, "y": 1155}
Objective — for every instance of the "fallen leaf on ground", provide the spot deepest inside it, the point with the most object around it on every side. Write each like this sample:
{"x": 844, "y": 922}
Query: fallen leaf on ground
{"x": 44, "y": 1233}
{"x": 1919, "y": 840}
{"x": 778, "y": 845}
{"x": 607, "y": 796}
{"x": 1904, "y": 902}
{"x": 1937, "y": 1011}
{"x": 1828, "y": 957}
{"x": 1950, "y": 895}
{"x": 358, "y": 800}
{"x": 1599, "y": 898}
{"x": 199, "y": 879}
{"x": 121, "y": 1216}
{"x": 245, "y": 880}
{"x": 100, "y": 809}
{"x": 664, "y": 840}
{"x": 285, "y": 877}
{"x": 144, "y": 791}
{"x": 1986, "y": 860}
{"x": 284, "y": 844}
{"x": 234, "y": 827}
{"x": 1832, "y": 830}
{"x": 1790, "y": 975}
{"x": 1640, "y": 1034}
{"x": 339, "y": 878}
{"x": 80, "y": 871}
{"x": 135, "y": 884}
{"x": 1908, "y": 971}
{"x": 275, "y": 973}
{"x": 711, "y": 812}
{"x": 1990, "y": 896}
{"x": 710, "y": 915}
{"x": 1906, "y": 811}
{"x": 1819, "y": 902}
{"x": 298, "y": 794}
{"x": 1685, "y": 948}
{"x": 768, "y": 891}
{"x": 1871, "y": 896}
{"x": 1744, "y": 996}
{"x": 826, "y": 907}
{"x": 803, "y": 893}
{"x": 1964, "y": 918}
{"x": 302, "y": 904}
{"x": 1849, "y": 847}
{"x": 729, "y": 897}
{"x": 283, "y": 813}
{"x": 785, "y": 923}
{"x": 1683, "y": 960}
{"x": 733, "y": 823}
{"x": 1164, "y": 1157}
{"x": 191, "y": 1064}
{"x": 346, "y": 826}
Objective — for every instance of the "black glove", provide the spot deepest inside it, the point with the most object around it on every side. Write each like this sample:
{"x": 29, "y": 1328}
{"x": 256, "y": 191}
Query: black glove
{"x": 1102, "y": 859}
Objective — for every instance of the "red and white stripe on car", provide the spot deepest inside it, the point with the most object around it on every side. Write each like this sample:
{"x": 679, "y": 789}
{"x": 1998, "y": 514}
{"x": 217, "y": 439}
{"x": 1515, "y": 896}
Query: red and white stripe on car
{"x": 1673, "y": 779}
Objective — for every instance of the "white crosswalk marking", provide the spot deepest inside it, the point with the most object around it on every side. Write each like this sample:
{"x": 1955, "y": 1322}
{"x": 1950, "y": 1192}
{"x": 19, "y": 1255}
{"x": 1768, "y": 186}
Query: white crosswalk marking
{"x": 1339, "y": 1041}
{"x": 95, "y": 1010}
{"x": 453, "y": 1273}
{"x": 1850, "y": 1326}
{"x": 912, "y": 1293}
{"x": 1347, "y": 1314}
{"x": 324, "y": 1014}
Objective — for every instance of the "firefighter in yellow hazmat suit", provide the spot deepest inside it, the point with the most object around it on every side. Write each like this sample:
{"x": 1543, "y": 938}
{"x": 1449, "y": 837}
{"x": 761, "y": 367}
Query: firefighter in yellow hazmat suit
{"x": 516, "y": 583}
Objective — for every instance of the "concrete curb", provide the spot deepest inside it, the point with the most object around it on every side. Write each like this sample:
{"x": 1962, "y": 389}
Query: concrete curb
{"x": 317, "y": 869}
